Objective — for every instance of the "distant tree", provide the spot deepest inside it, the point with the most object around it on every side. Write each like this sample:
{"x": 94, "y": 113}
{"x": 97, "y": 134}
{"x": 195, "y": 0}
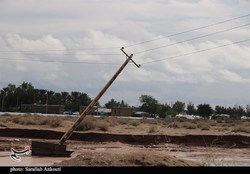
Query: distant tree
{"x": 84, "y": 99}
{"x": 220, "y": 110}
{"x": 178, "y": 106}
{"x": 163, "y": 110}
{"x": 26, "y": 93}
{"x": 112, "y": 104}
{"x": 238, "y": 110}
{"x": 248, "y": 110}
{"x": 171, "y": 112}
{"x": 149, "y": 104}
{"x": 65, "y": 97}
{"x": 235, "y": 111}
{"x": 56, "y": 98}
{"x": 49, "y": 97}
{"x": 2, "y": 98}
{"x": 40, "y": 96}
{"x": 9, "y": 98}
{"x": 74, "y": 102}
{"x": 123, "y": 104}
{"x": 191, "y": 109}
{"x": 204, "y": 110}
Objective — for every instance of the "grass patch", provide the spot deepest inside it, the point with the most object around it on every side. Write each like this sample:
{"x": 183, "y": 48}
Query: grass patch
{"x": 213, "y": 123}
{"x": 135, "y": 122}
{"x": 149, "y": 121}
{"x": 87, "y": 124}
{"x": 189, "y": 125}
{"x": 203, "y": 126}
{"x": 222, "y": 129}
{"x": 153, "y": 129}
{"x": 112, "y": 121}
{"x": 122, "y": 121}
{"x": 174, "y": 125}
{"x": 243, "y": 127}
{"x": 26, "y": 120}
{"x": 103, "y": 126}
{"x": 54, "y": 122}
{"x": 37, "y": 120}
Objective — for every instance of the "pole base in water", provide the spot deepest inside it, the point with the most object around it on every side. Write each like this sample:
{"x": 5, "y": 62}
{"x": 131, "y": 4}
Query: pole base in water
{"x": 49, "y": 149}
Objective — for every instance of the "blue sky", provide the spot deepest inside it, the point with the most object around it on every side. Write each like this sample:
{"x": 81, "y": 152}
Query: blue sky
{"x": 47, "y": 43}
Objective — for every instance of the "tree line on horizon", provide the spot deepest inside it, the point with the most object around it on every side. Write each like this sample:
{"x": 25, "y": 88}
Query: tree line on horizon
{"x": 11, "y": 98}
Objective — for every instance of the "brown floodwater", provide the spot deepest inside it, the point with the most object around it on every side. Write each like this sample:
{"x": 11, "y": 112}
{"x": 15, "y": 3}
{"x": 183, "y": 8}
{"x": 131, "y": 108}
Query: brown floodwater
{"x": 210, "y": 156}
{"x": 28, "y": 160}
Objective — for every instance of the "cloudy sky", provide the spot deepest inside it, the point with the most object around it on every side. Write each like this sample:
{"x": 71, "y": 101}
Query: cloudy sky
{"x": 189, "y": 50}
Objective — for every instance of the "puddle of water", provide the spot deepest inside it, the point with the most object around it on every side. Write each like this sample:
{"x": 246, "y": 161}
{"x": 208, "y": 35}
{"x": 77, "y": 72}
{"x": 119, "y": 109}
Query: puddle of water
{"x": 29, "y": 160}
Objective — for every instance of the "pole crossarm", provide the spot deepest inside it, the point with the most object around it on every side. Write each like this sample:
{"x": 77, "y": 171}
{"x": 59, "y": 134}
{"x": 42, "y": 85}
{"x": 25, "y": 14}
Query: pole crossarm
{"x": 130, "y": 57}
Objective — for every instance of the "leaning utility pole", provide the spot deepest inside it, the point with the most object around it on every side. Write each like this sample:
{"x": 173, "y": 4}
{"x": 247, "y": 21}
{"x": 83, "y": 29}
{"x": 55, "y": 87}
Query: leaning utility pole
{"x": 93, "y": 103}
{"x": 51, "y": 149}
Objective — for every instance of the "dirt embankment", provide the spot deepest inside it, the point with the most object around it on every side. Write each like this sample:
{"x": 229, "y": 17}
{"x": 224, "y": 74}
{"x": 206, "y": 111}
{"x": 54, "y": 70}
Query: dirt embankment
{"x": 237, "y": 141}
{"x": 128, "y": 159}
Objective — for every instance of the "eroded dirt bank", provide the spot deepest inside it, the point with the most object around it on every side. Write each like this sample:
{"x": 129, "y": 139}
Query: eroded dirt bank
{"x": 236, "y": 140}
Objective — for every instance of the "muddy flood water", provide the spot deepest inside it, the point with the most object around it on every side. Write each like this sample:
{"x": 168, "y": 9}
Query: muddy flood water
{"x": 28, "y": 160}
{"x": 214, "y": 156}
{"x": 211, "y": 156}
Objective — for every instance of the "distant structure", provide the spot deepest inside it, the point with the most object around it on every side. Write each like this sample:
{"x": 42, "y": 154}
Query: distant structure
{"x": 116, "y": 111}
{"x": 92, "y": 112}
{"x": 97, "y": 111}
{"x": 43, "y": 109}
{"x": 122, "y": 111}
{"x": 191, "y": 117}
{"x": 141, "y": 114}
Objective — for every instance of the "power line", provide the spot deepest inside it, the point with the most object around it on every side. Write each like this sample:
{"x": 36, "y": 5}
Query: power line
{"x": 110, "y": 48}
{"x": 210, "y": 34}
{"x": 188, "y": 31}
{"x": 104, "y": 63}
{"x": 68, "y": 54}
{"x": 195, "y": 52}
{"x": 71, "y": 49}
{"x": 151, "y": 49}
{"x": 61, "y": 61}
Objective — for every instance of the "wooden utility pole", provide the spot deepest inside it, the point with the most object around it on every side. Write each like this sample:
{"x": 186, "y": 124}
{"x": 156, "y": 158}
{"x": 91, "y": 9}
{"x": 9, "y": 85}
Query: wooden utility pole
{"x": 66, "y": 136}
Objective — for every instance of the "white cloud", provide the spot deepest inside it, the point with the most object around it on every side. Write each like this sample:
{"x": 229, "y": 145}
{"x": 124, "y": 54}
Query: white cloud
{"x": 230, "y": 76}
{"x": 18, "y": 43}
